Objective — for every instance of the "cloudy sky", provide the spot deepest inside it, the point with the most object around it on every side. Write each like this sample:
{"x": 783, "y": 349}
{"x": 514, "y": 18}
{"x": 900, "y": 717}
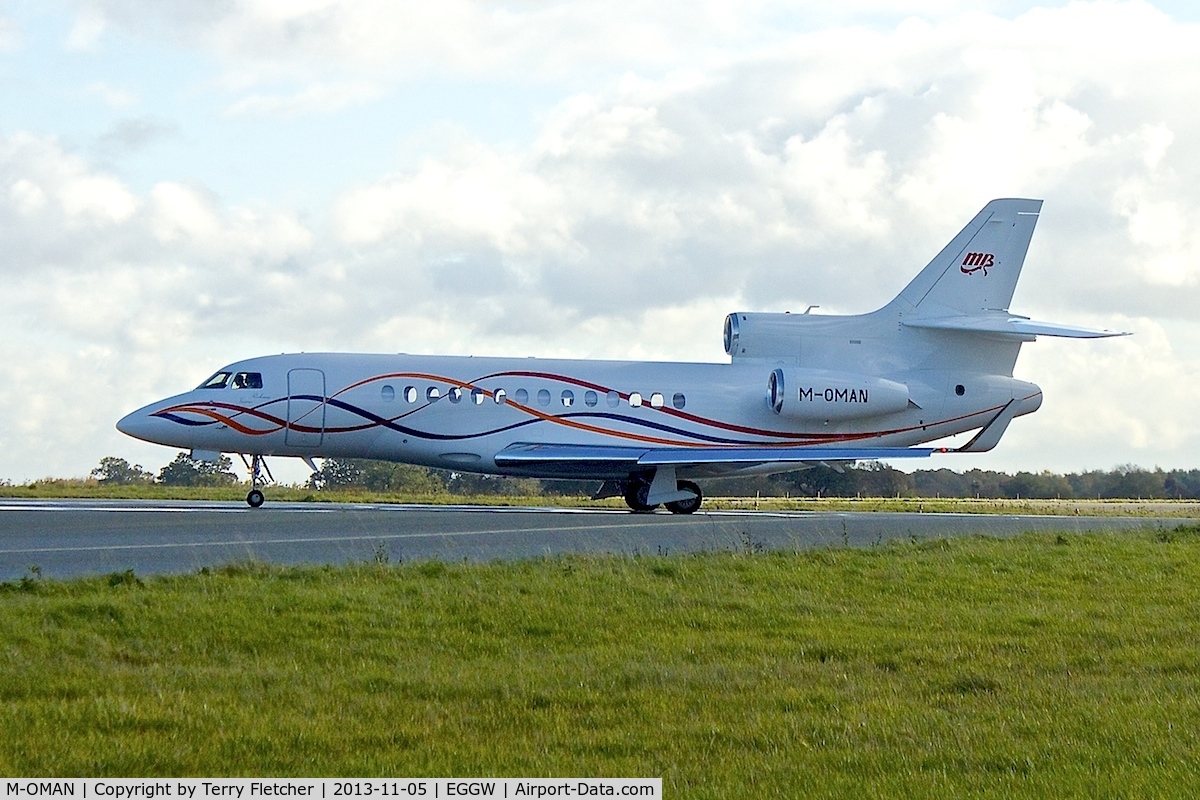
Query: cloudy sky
{"x": 186, "y": 183}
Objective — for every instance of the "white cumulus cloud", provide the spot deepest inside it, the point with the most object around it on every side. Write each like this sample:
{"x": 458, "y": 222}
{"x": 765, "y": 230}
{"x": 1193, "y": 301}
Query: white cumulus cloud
{"x": 690, "y": 161}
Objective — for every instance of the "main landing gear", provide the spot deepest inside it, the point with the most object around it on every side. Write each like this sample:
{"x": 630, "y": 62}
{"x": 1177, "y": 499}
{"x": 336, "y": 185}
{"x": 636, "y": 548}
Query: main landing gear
{"x": 638, "y": 492}
{"x": 257, "y": 465}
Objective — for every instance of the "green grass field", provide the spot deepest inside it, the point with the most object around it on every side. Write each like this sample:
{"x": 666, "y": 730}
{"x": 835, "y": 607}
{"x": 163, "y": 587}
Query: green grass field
{"x": 1042, "y": 666}
{"x": 90, "y": 489}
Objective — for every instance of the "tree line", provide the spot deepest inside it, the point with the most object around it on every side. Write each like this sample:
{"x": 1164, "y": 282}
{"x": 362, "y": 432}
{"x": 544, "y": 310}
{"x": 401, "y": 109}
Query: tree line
{"x": 869, "y": 479}
{"x": 877, "y": 480}
{"x": 183, "y": 471}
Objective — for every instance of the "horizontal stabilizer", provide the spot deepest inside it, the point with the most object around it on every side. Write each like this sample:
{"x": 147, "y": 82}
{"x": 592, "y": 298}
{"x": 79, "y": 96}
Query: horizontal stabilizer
{"x": 537, "y": 454}
{"x": 1008, "y": 325}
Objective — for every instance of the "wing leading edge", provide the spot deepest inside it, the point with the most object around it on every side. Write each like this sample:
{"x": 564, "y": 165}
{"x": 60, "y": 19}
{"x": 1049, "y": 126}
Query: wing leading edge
{"x": 532, "y": 455}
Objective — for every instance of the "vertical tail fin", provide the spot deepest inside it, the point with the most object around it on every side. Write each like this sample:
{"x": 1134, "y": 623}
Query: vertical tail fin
{"x": 978, "y": 270}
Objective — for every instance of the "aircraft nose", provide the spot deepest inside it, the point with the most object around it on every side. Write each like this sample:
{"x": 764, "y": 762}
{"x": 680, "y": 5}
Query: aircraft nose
{"x": 136, "y": 424}
{"x": 155, "y": 424}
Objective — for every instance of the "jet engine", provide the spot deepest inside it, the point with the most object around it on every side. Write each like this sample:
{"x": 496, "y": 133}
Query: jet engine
{"x": 818, "y": 394}
{"x": 764, "y": 334}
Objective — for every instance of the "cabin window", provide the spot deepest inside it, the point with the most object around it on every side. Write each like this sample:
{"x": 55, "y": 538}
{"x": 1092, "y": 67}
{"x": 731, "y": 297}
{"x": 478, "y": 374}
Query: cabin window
{"x": 678, "y": 400}
{"x": 455, "y": 394}
{"x": 410, "y": 394}
{"x": 590, "y": 399}
{"x": 656, "y": 400}
{"x": 247, "y": 380}
{"x": 499, "y": 395}
{"x": 960, "y": 390}
{"x": 217, "y": 381}
{"x": 522, "y": 396}
{"x": 568, "y": 398}
{"x": 477, "y": 396}
{"x": 635, "y": 399}
{"x": 432, "y": 393}
{"x": 543, "y": 397}
{"x": 387, "y": 393}
{"x": 613, "y": 399}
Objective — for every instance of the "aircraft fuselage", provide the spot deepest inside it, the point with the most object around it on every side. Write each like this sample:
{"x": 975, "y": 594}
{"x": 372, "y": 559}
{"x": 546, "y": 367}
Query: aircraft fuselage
{"x": 459, "y": 412}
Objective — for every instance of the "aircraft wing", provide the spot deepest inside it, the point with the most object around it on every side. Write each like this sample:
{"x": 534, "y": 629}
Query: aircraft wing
{"x": 530, "y": 455}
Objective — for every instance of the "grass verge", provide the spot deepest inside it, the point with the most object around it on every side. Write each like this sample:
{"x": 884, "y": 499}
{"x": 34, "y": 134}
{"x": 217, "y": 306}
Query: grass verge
{"x": 54, "y": 489}
{"x": 1039, "y": 666}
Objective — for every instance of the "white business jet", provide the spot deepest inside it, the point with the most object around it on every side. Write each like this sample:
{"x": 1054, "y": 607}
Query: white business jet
{"x": 802, "y": 390}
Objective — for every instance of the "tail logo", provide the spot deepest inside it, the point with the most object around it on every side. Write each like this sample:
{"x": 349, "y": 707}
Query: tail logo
{"x": 977, "y": 261}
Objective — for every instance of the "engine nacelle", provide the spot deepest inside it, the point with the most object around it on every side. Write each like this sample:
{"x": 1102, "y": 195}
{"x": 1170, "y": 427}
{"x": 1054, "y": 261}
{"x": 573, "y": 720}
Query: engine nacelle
{"x": 818, "y": 394}
{"x": 764, "y": 335}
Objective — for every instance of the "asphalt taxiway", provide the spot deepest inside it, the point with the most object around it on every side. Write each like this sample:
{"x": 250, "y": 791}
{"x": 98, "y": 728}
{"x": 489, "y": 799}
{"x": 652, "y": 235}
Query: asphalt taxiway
{"x": 69, "y": 538}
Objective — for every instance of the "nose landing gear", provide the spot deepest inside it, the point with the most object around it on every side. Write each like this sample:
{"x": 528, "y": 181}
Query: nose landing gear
{"x": 257, "y": 465}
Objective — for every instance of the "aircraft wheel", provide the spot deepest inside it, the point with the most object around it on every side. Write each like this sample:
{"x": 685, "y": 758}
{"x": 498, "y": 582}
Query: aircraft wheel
{"x": 636, "y": 493}
{"x": 690, "y": 506}
{"x": 255, "y": 498}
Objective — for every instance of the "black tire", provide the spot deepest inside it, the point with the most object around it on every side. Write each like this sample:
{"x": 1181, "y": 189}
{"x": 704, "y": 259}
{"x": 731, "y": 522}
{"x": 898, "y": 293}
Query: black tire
{"x": 687, "y": 506}
{"x": 636, "y": 493}
{"x": 255, "y": 498}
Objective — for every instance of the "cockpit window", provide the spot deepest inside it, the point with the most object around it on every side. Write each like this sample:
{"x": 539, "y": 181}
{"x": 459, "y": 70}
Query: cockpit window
{"x": 247, "y": 380}
{"x": 217, "y": 381}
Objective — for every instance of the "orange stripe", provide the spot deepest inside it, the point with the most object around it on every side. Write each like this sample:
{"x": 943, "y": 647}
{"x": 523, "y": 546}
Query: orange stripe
{"x": 237, "y": 426}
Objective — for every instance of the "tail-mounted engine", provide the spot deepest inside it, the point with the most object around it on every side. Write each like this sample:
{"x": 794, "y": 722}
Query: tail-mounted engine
{"x": 817, "y": 394}
{"x": 781, "y": 336}
{"x": 764, "y": 334}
